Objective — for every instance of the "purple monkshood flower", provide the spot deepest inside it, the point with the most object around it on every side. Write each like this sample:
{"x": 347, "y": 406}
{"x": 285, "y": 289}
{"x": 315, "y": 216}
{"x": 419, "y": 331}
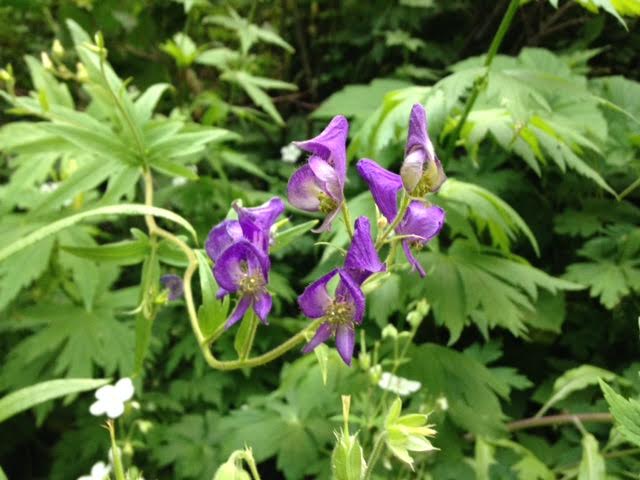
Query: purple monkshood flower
{"x": 244, "y": 269}
{"x": 420, "y": 222}
{"x": 240, "y": 252}
{"x": 173, "y": 283}
{"x": 421, "y": 170}
{"x": 362, "y": 259}
{"x": 253, "y": 224}
{"x": 319, "y": 185}
{"x": 341, "y": 313}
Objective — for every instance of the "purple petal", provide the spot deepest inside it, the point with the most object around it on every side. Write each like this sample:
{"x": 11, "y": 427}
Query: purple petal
{"x": 412, "y": 168}
{"x": 422, "y": 221}
{"x": 304, "y": 189}
{"x": 173, "y": 283}
{"x": 221, "y": 236}
{"x": 236, "y": 262}
{"x": 415, "y": 264}
{"x": 330, "y": 145}
{"x": 238, "y": 312}
{"x": 315, "y": 299}
{"x": 349, "y": 289}
{"x": 418, "y": 136}
{"x": 323, "y": 333}
{"x": 384, "y": 186}
{"x": 328, "y": 220}
{"x": 328, "y": 177}
{"x": 262, "y": 306}
{"x": 362, "y": 258}
{"x": 264, "y": 216}
{"x": 345, "y": 342}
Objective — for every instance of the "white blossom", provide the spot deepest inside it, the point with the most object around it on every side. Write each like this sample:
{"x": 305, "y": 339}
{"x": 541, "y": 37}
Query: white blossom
{"x": 99, "y": 471}
{"x": 111, "y": 398}
{"x": 290, "y": 153}
{"x": 398, "y": 385}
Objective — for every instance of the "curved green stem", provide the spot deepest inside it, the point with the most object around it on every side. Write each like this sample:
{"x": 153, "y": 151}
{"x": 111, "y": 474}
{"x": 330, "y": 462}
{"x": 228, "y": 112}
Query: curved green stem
{"x": 346, "y": 217}
{"x": 117, "y": 461}
{"x": 480, "y": 82}
{"x": 245, "y": 349}
{"x": 629, "y": 189}
{"x": 378, "y": 448}
{"x": 404, "y": 205}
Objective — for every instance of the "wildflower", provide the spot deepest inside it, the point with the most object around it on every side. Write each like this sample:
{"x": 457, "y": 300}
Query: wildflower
{"x": 99, "y": 471}
{"x": 221, "y": 237}
{"x": 420, "y": 223}
{"x": 341, "y": 314}
{"x": 362, "y": 258}
{"x": 111, "y": 398}
{"x": 290, "y": 153}
{"x": 243, "y": 268}
{"x": 421, "y": 170}
{"x": 398, "y": 385}
{"x": 318, "y": 185}
{"x": 173, "y": 283}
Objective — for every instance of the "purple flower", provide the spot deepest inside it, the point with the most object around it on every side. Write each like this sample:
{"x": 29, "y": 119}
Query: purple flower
{"x": 341, "y": 313}
{"x": 256, "y": 222}
{"x": 244, "y": 269}
{"x": 253, "y": 224}
{"x": 421, "y": 170}
{"x": 318, "y": 185}
{"x": 420, "y": 221}
{"x": 423, "y": 223}
{"x": 362, "y": 258}
{"x": 173, "y": 283}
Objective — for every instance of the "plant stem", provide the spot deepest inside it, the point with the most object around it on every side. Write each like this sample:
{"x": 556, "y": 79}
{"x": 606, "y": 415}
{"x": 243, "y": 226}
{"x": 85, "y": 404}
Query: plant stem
{"x": 245, "y": 349}
{"x": 479, "y": 83}
{"x": 404, "y": 205}
{"x": 117, "y": 461}
{"x": 629, "y": 189}
{"x": 561, "y": 419}
{"x": 346, "y": 217}
{"x": 378, "y": 448}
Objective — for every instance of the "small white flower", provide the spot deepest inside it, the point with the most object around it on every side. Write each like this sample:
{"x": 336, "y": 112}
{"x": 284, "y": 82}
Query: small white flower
{"x": 99, "y": 471}
{"x": 290, "y": 153}
{"x": 49, "y": 187}
{"x": 111, "y": 398}
{"x": 442, "y": 403}
{"x": 398, "y": 385}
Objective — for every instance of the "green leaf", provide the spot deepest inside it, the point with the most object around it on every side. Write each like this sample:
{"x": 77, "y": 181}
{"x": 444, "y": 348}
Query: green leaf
{"x": 592, "y": 465}
{"x": 285, "y": 237}
{"x": 573, "y": 380}
{"x": 128, "y": 252}
{"x": 607, "y": 280}
{"x": 625, "y": 412}
{"x": 173, "y": 169}
{"x": 213, "y": 313}
{"x": 484, "y": 457}
{"x": 29, "y": 397}
{"x": 146, "y": 103}
{"x": 217, "y": 57}
{"x": 56, "y": 92}
{"x": 124, "y": 209}
{"x": 149, "y": 289}
{"x": 384, "y": 300}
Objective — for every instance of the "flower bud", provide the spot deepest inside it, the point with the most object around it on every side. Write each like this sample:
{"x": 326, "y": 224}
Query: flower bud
{"x": 81, "y": 73}
{"x": 46, "y": 61}
{"x": 347, "y": 460}
{"x": 390, "y": 332}
{"x": 57, "y": 49}
{"x": 230, "y": 471}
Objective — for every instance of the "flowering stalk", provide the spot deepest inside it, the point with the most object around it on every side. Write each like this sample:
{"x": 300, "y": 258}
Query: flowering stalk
{"x": 117, "y": 461}
{"x": 404, "y": 205}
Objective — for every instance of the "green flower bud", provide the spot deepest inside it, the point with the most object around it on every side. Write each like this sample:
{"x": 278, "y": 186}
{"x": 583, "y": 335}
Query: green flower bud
{"x": 231, "y": 471}
{"x": 390, "y": 332}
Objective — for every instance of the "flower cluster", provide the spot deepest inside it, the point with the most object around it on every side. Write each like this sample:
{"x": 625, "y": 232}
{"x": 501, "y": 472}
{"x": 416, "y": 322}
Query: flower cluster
{"x": 240, "y": 248}
{"x": 240, "y": 252}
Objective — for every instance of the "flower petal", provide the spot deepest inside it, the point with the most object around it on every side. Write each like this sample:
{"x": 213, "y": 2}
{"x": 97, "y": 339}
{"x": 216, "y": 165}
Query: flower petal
{"x": 412, "y": 260}
{"x": 304, "y": 189}
{"x": 328, "y": 177}
{"x": 222, "y": 236}
{"x": 115, "y": 409}
{"x": 351, "y": 290}
{"x": 98, "y": 408}
{"x": 345, "y": 342}
{"x": 238, "y": 312}
{"x": 238, "y": 260}
{"x": 422, "y": 221}
{"x": 264, "y": 216}
{"x": 173, "y": 283}
{"x": 331, "y": 145}
{"x": 315, "y": 299}
{"x": 412, "y": 168}
{"x": 362, "y": 258}
{"x": 105, "y": 392}
{"x": 323, "y": 333}
{"x": 262, "y": 306}
{"x": 325, "y": 226}
{"x": 384, "y": 186}
{"x": 124, "y": 389}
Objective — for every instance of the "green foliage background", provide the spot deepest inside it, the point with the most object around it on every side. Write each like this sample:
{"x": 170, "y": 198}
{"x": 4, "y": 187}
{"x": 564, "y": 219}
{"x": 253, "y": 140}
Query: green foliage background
{"x": 534, "y": 285}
